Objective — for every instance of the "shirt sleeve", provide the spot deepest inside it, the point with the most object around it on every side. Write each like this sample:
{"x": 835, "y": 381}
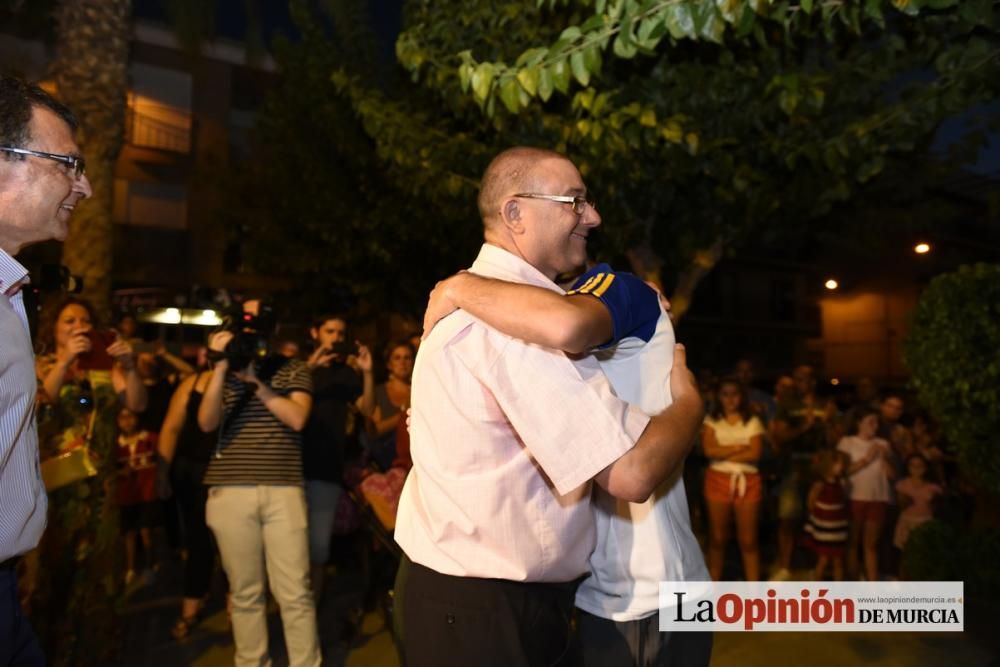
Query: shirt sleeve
{"x": 634, "y": 306}
{"x": 298, "y": 379}
{"x": 755, "y": 427}
{"x": 564, "y": 413}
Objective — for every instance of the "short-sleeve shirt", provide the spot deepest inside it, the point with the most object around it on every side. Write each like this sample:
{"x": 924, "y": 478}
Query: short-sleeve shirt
{"x": 638, "y": 544}
{"x": 922, "y": 496}
{"x": 334, "y": 388}
{"x": 255, "y": 447}
{"x": 869, "y": 483}
{"x": 730, "y": 435}
{"x": 505, "y": 438}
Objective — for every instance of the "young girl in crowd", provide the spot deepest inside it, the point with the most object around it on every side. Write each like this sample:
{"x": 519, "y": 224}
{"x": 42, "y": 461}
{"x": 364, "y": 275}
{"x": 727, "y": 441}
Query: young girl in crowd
{"x": 136, "y": 489}
{"x": 915, "y": 494}
{"x": 826, "y": 529}
{"x": 870, "y": 473}
{"x": 732, "y": 439}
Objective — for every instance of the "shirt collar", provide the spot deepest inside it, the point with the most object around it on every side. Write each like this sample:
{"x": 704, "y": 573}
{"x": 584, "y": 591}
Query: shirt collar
{"x": 12, "y": 274}
{"x": 495, "y": 262}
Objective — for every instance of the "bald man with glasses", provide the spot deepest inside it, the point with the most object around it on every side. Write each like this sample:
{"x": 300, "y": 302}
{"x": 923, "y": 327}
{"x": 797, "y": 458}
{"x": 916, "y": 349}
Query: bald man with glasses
{"x": 41, "y": 181}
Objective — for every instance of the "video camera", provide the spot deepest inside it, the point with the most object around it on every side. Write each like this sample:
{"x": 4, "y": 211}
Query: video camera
{"x": 251, "y": 335}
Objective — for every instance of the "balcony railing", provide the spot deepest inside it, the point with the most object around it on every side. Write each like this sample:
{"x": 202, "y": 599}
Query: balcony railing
{"x": 148, "y": 132}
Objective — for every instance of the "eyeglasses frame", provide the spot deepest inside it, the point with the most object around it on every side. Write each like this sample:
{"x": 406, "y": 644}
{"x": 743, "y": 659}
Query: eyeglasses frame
{"x": 579, "y": 203}
{"x": 74, "y": 162}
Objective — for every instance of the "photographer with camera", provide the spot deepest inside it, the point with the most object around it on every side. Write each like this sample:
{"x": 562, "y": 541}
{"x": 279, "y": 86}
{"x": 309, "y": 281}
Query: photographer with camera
{"x": 256, "y": 501}
{"x": 342, "y": 379}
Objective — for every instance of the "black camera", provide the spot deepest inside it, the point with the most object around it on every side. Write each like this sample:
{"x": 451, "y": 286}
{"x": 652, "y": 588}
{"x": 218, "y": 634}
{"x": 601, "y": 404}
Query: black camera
{"x": 251, "y": 336}
{"x": 340, "y": 351}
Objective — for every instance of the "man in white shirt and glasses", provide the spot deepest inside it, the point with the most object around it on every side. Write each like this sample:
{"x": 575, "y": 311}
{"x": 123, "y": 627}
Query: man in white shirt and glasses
{"x": 41, "y": 180}
{"x": 496, "y": 518}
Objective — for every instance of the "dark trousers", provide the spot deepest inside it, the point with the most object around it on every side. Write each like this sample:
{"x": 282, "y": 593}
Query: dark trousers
{"x": 464, "y": 621}
{"x": 191, "y": 496}
{"x": 606, "y": 643}
{"x": 18, "y": 644}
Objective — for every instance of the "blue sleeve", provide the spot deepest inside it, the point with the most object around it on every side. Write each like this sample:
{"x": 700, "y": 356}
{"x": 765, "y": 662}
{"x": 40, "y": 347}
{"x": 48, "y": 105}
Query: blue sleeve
{"x": 634, "y": 305}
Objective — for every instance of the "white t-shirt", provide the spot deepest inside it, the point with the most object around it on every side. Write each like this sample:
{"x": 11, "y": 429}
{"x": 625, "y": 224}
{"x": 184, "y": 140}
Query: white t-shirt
{"x": 731, "y": 435}
{"x": 869, "y": 483}
{"x": 640, "y": 544}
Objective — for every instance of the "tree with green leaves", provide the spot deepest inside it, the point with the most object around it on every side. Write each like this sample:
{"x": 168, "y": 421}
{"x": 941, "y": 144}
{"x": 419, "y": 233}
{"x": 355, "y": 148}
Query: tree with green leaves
{"x": 952, "y": 353}
{"x": 701, "y": 125}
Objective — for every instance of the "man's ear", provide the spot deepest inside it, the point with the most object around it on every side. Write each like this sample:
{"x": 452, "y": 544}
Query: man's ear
{"x": 511, "y": 215}
{"x": 314, "y": 333}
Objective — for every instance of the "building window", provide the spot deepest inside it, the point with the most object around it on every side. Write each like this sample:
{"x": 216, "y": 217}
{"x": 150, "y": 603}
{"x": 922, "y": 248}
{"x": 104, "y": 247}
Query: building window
{"x": 150, "y": 204}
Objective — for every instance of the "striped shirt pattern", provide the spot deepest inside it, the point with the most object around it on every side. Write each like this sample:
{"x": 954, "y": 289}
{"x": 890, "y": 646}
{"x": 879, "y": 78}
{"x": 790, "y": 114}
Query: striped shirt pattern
{"x": 257, "y": 448}
{"x": 23, "y": 502}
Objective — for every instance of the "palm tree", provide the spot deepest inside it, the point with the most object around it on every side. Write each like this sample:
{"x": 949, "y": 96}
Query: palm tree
{"x": 90, "y": 70}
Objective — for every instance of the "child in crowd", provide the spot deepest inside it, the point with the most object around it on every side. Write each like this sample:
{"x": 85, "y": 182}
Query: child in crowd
{"x": 732, "y": 439}
{"x": 826, "y": 529}
{"x": 871, "y": 474}
{"x": 136, "y": 493}
{"x": 915, "y": 494}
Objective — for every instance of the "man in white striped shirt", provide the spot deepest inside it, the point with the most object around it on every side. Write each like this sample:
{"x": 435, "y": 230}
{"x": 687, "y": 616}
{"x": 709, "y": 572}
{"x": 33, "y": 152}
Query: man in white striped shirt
{"x": 41, "y": 180}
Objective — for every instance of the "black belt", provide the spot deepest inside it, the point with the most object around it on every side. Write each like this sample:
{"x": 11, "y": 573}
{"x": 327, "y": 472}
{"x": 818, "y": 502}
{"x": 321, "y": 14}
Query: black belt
{"x": 9, "y": 564}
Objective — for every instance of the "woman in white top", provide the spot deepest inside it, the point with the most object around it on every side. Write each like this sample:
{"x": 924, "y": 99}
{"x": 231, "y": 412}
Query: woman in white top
{"x": 871, "y": 474}
{"x": 732, "y": 439}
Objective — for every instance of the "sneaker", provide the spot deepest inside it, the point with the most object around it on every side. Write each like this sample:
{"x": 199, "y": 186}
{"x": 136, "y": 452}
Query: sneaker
{"x": 782, "y": 574}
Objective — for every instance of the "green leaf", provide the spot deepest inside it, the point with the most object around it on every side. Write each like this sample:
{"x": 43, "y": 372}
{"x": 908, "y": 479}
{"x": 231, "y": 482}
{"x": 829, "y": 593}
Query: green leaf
{"x": 560, "y": 75}
{"x": 679, "y": 21}
{"x": 482, "y": 79}
{"x": 545, "y": 86}
{"x": 592, "y": 59}
{"x": 579, "y": 67}
{"x": 510, "y": 94}
{"x": 528, "y": 78}
{"x": 465, "y": 75}
{"x": 707, "y": 21}
{"x": 624, "y": 49}
{"x": 571, "y": 34}
{"x": 807, "y": 6}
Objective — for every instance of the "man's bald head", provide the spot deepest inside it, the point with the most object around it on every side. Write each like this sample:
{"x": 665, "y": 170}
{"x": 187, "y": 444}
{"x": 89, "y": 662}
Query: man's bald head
{"x": 510, "y": 172}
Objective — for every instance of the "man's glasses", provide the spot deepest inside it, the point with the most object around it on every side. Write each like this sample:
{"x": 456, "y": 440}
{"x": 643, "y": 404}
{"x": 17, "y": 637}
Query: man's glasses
{"x": 580, "y": 204}
{"x": 74, "y": 162}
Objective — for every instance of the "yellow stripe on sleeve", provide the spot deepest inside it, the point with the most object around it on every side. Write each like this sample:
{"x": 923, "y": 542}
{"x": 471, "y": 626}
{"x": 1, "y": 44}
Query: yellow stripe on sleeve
{"x": 589, "y": 285}
{"x": 599, "y": 291}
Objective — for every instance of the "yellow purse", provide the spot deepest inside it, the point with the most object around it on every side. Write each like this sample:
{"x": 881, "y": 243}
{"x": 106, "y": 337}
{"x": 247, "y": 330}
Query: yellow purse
{"x": 72, "y": 465}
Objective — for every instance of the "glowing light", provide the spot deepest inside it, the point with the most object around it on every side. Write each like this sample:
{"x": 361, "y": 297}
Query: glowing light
{"x": 922, "y": 248}
{"x": 835, "y": 381}
{"x": 831, "y": 284}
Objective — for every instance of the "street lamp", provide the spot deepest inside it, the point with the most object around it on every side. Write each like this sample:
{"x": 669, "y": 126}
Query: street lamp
{"x": 831, "y": 284}
{"x": 922, "y": 248}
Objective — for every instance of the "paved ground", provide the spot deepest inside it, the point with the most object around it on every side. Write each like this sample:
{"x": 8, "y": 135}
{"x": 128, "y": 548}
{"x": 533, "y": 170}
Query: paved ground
{"x": 152, "y": 609}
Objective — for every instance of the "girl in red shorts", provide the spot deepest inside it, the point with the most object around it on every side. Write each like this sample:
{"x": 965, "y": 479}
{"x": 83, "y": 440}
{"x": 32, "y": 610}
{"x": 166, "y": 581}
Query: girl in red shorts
{"x": 871, "y": 475}
{"x": 732, "y": 439}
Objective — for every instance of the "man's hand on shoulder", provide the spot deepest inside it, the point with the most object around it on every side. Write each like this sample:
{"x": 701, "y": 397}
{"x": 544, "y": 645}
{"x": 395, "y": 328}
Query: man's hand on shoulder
{"x": 439, "y": 303}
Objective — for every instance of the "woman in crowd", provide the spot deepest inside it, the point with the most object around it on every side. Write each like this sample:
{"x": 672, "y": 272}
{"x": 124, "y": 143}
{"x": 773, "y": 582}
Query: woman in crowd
{"x": 85, "y": 377}
{"x": 870, "y": 472}
{"x": 187, "y": 450}
{"x": 392, "y": 398}
{"x": 732, "y": 439}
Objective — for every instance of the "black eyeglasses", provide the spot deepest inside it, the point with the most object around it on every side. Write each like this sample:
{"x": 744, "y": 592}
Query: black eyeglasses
{"x": 579, "y": 203}
{"x": 74, "y": 162}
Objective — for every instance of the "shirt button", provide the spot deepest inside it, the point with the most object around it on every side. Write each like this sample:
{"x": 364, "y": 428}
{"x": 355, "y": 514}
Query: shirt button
{"x": 450, "y": 618}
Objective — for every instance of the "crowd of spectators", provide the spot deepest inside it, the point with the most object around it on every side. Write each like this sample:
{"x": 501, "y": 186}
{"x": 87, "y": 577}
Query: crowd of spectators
{"x": 268, "y": 466}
